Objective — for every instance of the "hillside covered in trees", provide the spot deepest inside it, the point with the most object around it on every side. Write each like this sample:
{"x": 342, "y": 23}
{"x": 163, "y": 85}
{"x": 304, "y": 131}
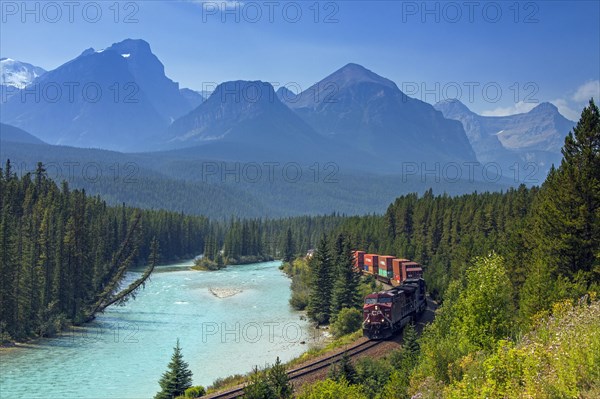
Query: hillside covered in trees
{"x": 60, "y": 249}
{"x": 549, "y": 237}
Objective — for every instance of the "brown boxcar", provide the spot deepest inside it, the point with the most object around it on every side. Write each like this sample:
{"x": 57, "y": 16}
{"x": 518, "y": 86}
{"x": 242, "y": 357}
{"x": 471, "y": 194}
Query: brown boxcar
{"x": 411, "y": 270}
{"x": 397, "y": 270}
{"x": 359, "y": 260}
{"x": 372, "y": 263}
{"x": 385, "y": 266}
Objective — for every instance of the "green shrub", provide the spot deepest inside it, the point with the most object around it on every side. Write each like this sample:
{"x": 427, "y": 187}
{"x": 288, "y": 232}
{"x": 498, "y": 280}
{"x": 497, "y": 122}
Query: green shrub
{"x": 329, "y": 389}
{"x": 558, "y": 359}
{"x": 206, "y": 264}
{"x": 299, "y": 299}
{"x": 299, "y": 272}
{"x": 226, "y": 382}
{"x": 195, "y": 392}
{"x": 372, "y": 374}
{"x": 346, "y": 322}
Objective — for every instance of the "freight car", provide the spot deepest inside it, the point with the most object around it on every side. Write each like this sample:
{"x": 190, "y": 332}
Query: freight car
{"x": 387, "y": 312}
{"x": 388, "y": 269}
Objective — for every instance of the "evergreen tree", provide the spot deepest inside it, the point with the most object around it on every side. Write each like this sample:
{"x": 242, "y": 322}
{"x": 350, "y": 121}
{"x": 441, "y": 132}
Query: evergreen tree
{"x": 288, "y": 250}
{"x": 345, "y": 287}
{"x": 565, "y": 227}
{"x": 581, "y": 168}
{"x": 411, "y": 341}
{"x": 279, "y": 381}
{"x": 319, "y": 302}
{"x": 343, "y": 370}
{"x": 538, "y": 291}
{"x": 177, "y": 378}
{"x": 258, "y": 386}
{"x": 154, "y": 257}
{"x": 220, "y": 263}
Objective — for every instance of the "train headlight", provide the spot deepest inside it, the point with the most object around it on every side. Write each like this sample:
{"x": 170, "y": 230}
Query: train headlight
{"x": 376, "y": 307}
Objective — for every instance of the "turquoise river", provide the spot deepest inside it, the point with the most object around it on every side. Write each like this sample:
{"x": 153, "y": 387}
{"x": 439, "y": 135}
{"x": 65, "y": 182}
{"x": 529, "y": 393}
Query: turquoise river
{"x": 227, "y": 321}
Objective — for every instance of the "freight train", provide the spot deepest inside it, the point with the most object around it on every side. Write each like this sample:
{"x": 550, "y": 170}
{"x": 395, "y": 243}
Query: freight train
{"x": 387, "y": 312}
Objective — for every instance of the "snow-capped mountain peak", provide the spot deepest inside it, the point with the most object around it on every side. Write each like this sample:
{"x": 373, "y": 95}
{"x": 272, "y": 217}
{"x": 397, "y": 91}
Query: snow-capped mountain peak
{"x": 18, "y": 74}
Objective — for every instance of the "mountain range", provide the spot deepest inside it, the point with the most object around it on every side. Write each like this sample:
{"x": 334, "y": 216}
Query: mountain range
{"x": 242, "y": 119}
{"x": 534, "y": 138}
{"x": 115, "y": 98}
{"x": 357, "y": 107}
{"x": 119, "y": 98}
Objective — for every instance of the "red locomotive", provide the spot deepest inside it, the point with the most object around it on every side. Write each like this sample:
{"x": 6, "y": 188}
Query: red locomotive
{"x": 387, "y": 312}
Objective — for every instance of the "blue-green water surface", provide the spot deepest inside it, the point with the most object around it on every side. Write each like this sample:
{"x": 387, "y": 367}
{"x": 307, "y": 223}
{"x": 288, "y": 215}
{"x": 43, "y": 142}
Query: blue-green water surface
{"x": 123, "y": 353}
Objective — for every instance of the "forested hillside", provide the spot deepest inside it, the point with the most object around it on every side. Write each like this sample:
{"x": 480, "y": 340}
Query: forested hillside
{"x": 59, "y": 249}
{"x": 550, "y": 233}
{"x": 270, "y": 236}
{"x": 444, "y": 233}
{"x": 181, "y": 182}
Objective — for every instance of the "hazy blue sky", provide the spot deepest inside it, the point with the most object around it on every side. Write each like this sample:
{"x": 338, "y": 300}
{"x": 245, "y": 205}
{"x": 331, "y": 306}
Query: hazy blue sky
{"x": 541, "y": 50}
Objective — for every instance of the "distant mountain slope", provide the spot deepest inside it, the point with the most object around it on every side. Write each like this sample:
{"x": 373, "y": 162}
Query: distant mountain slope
{"x": 536, "y": 136}
{"x": 15, "y": 75}
{"x": 193, "y": 97}
{"x": 170, "y": 181}
{"x": 91, "y": 117}
{"x": 360, "y": 108}
{"x": 149, "y": 74}
{"x": 14, "y": 134}
{"x": 284, "y": 94}
{"x": 244, "y": 120}
{"x": 131, "y": 179}
{"x": 117, "y": 98}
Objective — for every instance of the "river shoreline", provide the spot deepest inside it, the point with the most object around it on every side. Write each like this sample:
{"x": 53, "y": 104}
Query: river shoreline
{"x": 207, "y": 265}
{"x": 253, "y": 327}
{"x": 37, "y": 342}
{"x": 70, "y": 326}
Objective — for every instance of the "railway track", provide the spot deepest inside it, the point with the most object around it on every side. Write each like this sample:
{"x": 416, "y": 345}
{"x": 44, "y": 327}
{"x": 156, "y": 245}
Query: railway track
{"x": 320, "y": 364}
{"x": 307, "y": 369}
